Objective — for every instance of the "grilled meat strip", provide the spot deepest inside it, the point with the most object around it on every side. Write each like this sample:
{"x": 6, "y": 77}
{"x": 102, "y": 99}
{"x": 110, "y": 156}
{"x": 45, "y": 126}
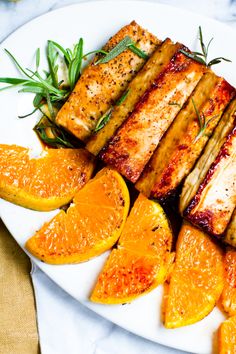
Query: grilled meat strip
{"x": 136, "y": 88}
{"x": 135, "y": 141}
{"x": 181, "y": 146}
{"x": 101, "y": 85}
{"x": 209, "y": 194}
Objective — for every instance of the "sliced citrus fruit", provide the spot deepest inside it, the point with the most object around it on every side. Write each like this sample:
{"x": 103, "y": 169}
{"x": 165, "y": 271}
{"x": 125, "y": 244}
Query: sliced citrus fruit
{"x": 91, "y": 225}
{"x": 46, "y": 182}
{"x": 227, "y": 336}
{"x": 197, "y": 278}
{"x": 142, "y": 258}
{"x": 229, "y": 291}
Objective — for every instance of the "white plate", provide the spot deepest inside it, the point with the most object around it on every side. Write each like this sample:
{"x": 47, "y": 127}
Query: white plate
{"x": 96, "y": 22}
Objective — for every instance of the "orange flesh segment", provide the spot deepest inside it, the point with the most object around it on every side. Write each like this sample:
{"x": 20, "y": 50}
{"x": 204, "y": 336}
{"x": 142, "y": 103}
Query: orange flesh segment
{"x": 197, "y": 278}
{"x": 227, "y": 336}
{"x": 91, "y": 225}
{"x": 46, "y": 182}
{"x": 142, "y": 259}
{"x": 229, "y": 292}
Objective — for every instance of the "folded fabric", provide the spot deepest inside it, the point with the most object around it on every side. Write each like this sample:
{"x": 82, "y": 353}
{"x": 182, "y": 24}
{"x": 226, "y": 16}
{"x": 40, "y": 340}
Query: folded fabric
{"x": 66, "y": 326}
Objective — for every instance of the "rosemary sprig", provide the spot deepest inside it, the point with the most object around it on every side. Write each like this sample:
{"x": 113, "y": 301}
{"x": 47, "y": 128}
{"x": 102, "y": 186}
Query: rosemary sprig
{"x": 202, "y": 57}
{"x": 106, "y": 116}
{"x": 103, "y": 120}
{"x": 52, "y": 135}
{"x": 122, "y": 98}
{"x": 203, "y": 123}
{"x": 126, "y": 43}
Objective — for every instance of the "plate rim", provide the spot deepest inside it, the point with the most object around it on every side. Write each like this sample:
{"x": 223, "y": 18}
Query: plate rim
{"x": 85, "y": 3}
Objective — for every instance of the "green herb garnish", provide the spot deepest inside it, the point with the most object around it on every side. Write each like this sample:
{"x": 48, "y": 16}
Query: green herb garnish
{"x": 202, "y": 57}
{"x": 53, "y": 135}
{"x": 103, "y": 120}
{"x": 122, "y": 98}
{"x": 203, "y": 123}
{"x": 106, "y": 116}
{"x": 126, "y": 43}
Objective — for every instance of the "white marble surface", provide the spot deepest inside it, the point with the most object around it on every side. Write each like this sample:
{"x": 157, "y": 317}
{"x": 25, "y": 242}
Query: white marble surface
{"x": 13, "y": 15}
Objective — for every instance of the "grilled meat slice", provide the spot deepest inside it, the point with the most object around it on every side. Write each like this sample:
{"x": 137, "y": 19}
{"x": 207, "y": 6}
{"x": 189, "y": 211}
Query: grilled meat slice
{"x": 134, "y": 143}
{"x": 180, "y": 147}
{"x": 136, "y": 88}
{"x": 101, "y": 85}
{"x": 209, "y": 194}
{"x": 230, "y": 236}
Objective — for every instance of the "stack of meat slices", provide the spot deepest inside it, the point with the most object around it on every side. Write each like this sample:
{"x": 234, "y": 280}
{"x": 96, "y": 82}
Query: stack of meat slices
{"x": 174, "y": 124}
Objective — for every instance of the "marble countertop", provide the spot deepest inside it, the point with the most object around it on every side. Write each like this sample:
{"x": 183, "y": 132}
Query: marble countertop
{"x": 15, "y": 14}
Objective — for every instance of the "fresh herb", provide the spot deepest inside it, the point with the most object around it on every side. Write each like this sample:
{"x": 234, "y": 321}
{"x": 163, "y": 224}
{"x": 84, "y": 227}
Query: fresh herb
{"x": 126, "y": 43}
{"x": 106, "y": 116}
{"x": 138, "y": 51}
{"x": 203, "y": 123}
{"x": 52, "y": 135}
{"x": 122, "y": 98}
{"x": 103, "y": 120}
{"x": 35, "y": 83}
{"x": 202, "y": 57}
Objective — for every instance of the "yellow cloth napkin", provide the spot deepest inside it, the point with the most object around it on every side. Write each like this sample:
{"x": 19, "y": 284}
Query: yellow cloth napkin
{"x": 18, "y": 331}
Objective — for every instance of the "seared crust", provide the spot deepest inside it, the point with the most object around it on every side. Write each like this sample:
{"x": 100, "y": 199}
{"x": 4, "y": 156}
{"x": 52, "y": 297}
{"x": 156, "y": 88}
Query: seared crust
{"x": 230, "y": 236}
{"x": 101, "y": 85}
{"x": 178, "y": 151}
{"x": 212, "y": 206}
{"x": 136, "y": 88}
{"x": 134, "y": 143}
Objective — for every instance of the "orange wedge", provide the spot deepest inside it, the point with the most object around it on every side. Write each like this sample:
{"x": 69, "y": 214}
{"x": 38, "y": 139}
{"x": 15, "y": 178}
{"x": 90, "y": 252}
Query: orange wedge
{"x": 227, "y": 336}
{"x": 197, "y": 279}
{"x": 229, "y": 292}
{"x": 91, "y": 225}
{"x": 142, "y": 258}
{"x": 46, "y": 182}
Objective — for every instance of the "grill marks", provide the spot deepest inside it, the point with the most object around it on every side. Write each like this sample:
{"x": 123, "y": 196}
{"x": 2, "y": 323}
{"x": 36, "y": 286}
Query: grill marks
{"x": 152, "y": 137}
{"x": 211, "y": 205}
{"x": 137, "y": 87}
{"x": 101, "y": 85}
{"x": 178, "y": 151}
{"x": 134, "y": 143}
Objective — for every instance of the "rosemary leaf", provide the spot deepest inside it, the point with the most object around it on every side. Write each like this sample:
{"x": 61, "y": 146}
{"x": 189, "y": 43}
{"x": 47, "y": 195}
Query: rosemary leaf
{"x": 19, "y": 67}
{"x": 28, "y": 114}
{"x": 37, "y": 59}
{"x": 51, "y": 58}
{"x": 138, "y": 51}
{"x": 202, "y": 57}
{"x": 12, "y": 80}
{"x": 122, "y": 98}
{"x": 103, "y": 120}
{"x": 117, "y": 50}
{"x": 193, "y": 56}
{"x": 75, "y": 64}
{"x": 217, "y": 61}
{"x": 52, "y": 135}
{"x": 203, "y": 123}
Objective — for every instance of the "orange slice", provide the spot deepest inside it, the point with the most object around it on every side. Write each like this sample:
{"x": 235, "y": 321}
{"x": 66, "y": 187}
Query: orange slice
{"x": 91, "y": 225}
{"x": 142, "y": 259}
{"x": 229, "y": 292}
{"x": 227, "y": 336}
{"x": 197, "y": 278}
{"x": 46, "y": 182}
